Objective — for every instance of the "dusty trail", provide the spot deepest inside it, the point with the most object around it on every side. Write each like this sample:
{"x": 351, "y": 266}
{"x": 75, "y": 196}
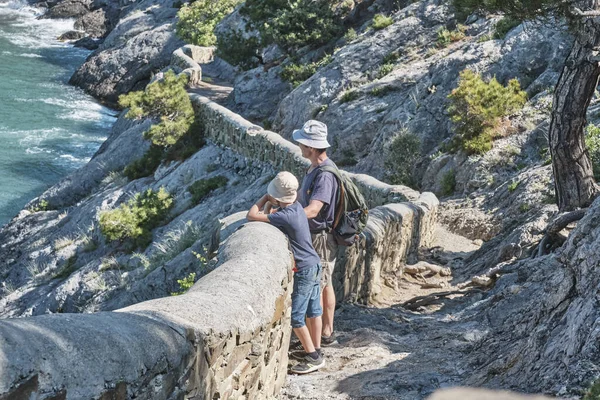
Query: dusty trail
{"x": 389, "y": 352}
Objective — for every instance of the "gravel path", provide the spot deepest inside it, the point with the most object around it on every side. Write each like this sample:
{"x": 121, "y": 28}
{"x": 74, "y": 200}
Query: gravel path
{"x": 389, "y": 352}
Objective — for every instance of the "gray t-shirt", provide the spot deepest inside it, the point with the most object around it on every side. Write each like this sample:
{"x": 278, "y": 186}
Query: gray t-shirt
{"x": 324, "y": 188}
{"x": 292, "y": 221}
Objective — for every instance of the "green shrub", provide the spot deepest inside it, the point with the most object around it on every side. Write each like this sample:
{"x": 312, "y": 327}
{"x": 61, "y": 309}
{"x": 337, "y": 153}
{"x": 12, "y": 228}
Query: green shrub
{"x": 401, "y": 157}
{"x": 476, "y": 109}
{"x": 237, "y": 50}
{"x": 185, "y": 284}
{"x": 197, "y": 20}
{"x": 384, "y": 70}
{"x": 505, "y": 25}
{"x": 513, "y": 186}
{"x": 67, "y": 269}
{"x": 349, "y": 95}
{"x": 186, "y": 146}
{"x": 41, "y": 205}
{"x": 192, "y": 141}
{"x": 445, "y": 36}
{"x": 380, "y": 21}
{"x": 592, "y": 143}
{"x": 167, "y": 104}
{"x": 202, "y": 188}
{"x": 136, "y": 218}
{"x": 448, "y": 183}
{"x": 391, "y": 57}
{"x": 593, "y": 393}
{"x": 382, "y": 91}
{"x": 485, "y": 38}
{"x": 298, "y": 73}
{"x": 146, "y": 165}
{"x": 350, "y": 35}
{"x": 285, "y": 22}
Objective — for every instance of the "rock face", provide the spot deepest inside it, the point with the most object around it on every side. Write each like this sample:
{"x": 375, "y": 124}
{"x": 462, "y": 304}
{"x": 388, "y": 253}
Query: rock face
{"x": 140, "y": 44}
{"x": 258, "y": 92}
{"x": 542, "y": 318}
{"x": 70, "y": 9}
{"x": 413, "y": 97}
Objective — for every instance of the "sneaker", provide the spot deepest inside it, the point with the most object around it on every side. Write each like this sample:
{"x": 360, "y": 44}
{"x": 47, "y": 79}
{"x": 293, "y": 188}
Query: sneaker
{"x": 328, "y": 340}
{"x": 308, "y": 364}
{"x": 296, "y": 346}
{"x": 299, "y": 355}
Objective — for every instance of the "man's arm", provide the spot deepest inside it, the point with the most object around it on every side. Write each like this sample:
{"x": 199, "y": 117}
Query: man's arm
{"x": 254, "y": 214}
{"x": 313, "y": 209}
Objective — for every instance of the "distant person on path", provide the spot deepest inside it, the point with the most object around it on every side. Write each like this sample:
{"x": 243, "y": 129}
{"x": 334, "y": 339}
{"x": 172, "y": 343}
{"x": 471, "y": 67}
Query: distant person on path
{"x": 319, "y": 197}
{"x": 306, "y": 306}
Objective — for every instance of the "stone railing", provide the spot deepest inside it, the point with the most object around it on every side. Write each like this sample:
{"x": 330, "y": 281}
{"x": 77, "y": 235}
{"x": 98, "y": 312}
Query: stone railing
{"x": 225, "y": 338}
{"x": 392, "y": 238}
{"x": 229, "y": 129}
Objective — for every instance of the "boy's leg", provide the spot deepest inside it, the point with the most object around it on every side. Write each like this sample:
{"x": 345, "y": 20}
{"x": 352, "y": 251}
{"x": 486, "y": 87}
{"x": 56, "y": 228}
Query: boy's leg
{"x": 311, "y": 361}
{"x": 300, "y": 300}
{"x": 305, "y": 338}
{"x": 314, "y": 310}
{"x": 315, "y": 326}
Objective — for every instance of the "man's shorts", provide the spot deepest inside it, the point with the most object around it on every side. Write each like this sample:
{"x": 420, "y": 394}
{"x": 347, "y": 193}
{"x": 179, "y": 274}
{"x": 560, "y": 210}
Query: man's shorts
{"x": 306, "y": 297}
{"x": 327, "y": 248}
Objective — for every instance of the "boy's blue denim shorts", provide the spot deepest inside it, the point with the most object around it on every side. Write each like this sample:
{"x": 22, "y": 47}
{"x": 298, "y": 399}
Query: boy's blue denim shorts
{"x": 306, "y": 298}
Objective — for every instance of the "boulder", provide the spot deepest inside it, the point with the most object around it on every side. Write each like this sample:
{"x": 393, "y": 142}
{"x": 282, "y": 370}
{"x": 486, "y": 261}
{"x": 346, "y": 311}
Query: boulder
{"x": 69, "y": 9}
{"x": 94, "y": 23}
{"x": 140, "y": 44}
{"x": 257, "y": 92}
{"x": 71, "y": 35}
{"x": 88, "y": 43}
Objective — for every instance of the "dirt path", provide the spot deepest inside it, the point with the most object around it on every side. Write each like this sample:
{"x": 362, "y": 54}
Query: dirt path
{"x": 216, "y": 90}
{"x": 390, "y": 352}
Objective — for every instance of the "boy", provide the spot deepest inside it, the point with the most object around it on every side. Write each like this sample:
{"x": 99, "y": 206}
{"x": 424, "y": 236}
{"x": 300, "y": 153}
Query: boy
{"x": 291, "y": 219}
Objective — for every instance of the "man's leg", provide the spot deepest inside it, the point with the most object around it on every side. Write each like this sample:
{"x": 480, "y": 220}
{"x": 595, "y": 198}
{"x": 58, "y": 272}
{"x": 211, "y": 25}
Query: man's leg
{"x": 327, "y": 248}
{"x": 328, "y": 298}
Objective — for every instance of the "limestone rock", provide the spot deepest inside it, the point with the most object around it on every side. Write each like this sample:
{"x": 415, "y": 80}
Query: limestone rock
{"x": 71, "y": 35}
{"x": 257, "y": 92}
{"x": 140, "y": 44}
{"x": 69, "y": 9}
{"x": 94, "y": 24}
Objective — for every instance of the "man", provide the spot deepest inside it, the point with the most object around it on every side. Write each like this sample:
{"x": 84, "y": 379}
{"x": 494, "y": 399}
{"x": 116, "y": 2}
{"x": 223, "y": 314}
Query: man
{"x": 319, "y": 196}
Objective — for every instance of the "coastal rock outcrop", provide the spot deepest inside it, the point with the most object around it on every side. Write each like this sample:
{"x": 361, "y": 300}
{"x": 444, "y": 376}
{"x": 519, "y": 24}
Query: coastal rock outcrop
{"x": 140, "y": 44}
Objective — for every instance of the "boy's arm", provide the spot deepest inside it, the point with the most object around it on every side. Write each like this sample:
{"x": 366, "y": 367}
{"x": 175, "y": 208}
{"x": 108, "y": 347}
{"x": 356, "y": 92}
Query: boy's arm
{"x": 254, "y": 214}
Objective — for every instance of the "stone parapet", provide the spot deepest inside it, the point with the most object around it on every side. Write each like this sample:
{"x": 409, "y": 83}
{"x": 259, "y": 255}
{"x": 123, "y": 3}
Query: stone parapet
{"x": 392, "y": 238}
{"x": 226, "y": 128}
{"x": 225, "y": 338}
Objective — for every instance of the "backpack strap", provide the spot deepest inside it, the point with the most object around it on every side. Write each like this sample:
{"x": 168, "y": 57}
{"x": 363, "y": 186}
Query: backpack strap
{"x": 341, "y": 191}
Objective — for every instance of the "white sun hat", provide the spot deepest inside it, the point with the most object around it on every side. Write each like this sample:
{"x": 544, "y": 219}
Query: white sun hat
{"x": 312, "y": 134}
{"x": 283, "y": 187}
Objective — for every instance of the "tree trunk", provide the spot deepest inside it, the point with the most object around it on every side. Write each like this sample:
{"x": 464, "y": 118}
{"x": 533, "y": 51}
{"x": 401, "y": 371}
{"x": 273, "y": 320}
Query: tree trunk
{"x": 573, "y": 175}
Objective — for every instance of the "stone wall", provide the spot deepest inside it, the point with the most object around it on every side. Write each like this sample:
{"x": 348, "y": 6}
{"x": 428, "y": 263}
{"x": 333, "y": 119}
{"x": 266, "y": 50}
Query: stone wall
{"x": 392, "y": 238}
{"x": 229, "y": 129}
{"x": 225, "y": 338}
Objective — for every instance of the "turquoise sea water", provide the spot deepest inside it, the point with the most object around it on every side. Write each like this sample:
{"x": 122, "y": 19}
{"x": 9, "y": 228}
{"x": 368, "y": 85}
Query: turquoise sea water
{"x": 47, "y": 128}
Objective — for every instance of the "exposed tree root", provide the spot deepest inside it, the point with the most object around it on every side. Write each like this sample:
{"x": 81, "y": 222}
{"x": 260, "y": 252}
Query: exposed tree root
{"x": 553, "y": 239}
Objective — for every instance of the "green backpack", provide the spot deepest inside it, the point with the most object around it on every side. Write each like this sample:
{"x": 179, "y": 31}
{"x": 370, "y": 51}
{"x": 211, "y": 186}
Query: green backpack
{"x": 351, "y": 212}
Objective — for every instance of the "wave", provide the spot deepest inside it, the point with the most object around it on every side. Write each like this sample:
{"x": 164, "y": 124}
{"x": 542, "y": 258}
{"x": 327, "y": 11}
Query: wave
{"x": 32, "y": 33}
{"x": 30, "y": 55}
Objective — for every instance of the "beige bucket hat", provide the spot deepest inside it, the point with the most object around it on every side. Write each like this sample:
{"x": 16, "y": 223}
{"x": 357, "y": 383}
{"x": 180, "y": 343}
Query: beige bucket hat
{"x": 283, "y": 187}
